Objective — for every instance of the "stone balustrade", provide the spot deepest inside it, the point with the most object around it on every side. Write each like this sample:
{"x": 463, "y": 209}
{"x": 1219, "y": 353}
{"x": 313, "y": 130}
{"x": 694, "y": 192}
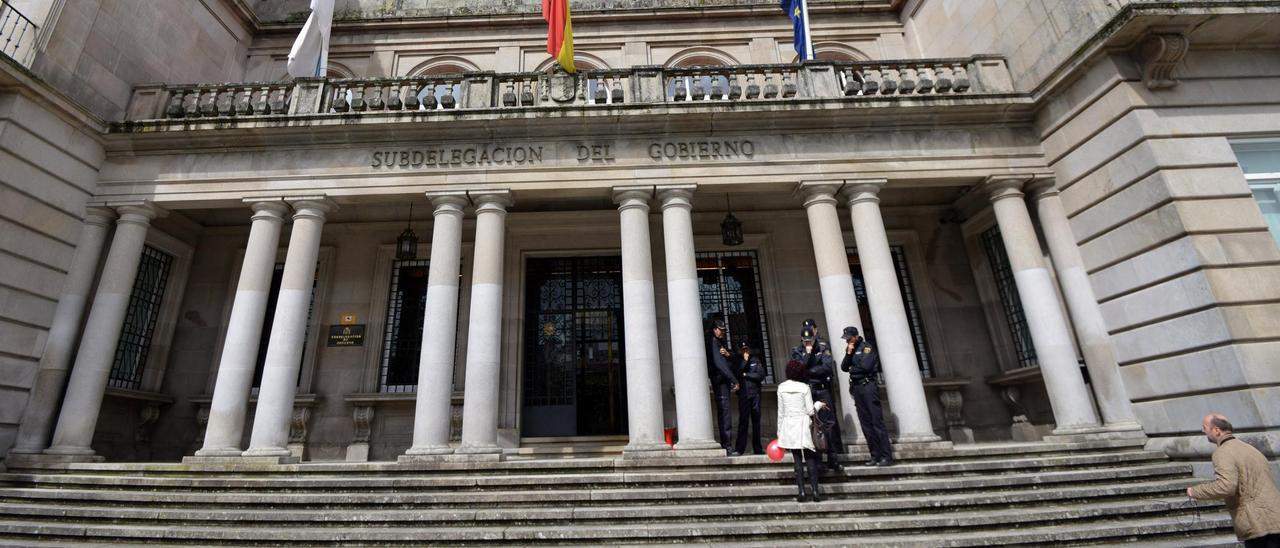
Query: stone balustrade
{"x": 472, "y": 91}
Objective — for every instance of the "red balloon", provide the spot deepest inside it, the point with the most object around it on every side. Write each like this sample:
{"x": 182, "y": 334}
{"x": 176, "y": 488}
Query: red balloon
{"x": 775, "y": 451}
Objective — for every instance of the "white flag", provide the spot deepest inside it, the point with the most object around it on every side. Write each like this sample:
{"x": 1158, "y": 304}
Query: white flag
{"x": 310, "y": 53}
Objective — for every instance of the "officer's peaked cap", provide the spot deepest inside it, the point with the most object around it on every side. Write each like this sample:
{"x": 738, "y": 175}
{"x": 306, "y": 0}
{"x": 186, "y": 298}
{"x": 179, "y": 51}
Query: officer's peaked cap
{"x": 806, "y": 333}
{"x": 849, "y": 332}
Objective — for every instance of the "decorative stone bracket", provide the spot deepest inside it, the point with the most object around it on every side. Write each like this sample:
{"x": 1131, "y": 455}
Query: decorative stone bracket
{"x": 1008, "y": 383}
{"x": 951, "y": 396}
{"x": 302, "y": 405}
{"x": 1158, "y": 54}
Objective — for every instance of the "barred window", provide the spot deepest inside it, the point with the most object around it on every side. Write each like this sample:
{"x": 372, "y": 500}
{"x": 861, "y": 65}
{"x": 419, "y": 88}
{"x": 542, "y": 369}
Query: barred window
{"x": 915, "y": 319}
{"x": 140, "y": 319}
{"x": 729, "y": 289}
{"x": 1009, "y": 300}
{"x": 277, "y": 276}
{"x": 402, "y": 339}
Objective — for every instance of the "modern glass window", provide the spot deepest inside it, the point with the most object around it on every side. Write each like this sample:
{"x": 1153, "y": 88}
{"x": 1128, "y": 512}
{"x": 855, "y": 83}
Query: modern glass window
{"x": 1260, "y": 161}
{"x": 269, "y": 319}
{"x": 1010, "y": 303}
{"x": 729, "y": 289}
{"x": 140, "y": 319}
{"x": 910, "y": 303}
{"x": 402, "y": 340}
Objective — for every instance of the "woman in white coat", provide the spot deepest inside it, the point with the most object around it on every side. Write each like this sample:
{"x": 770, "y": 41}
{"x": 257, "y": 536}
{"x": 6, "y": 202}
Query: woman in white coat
{"x": 795, "y": 410}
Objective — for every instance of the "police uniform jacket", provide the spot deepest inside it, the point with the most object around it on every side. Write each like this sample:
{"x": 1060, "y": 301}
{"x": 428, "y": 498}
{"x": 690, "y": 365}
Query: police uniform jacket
{"x": 795, "y": 407}
{"x": 719, "y": 368}
{"x": 861, "y": 364}
{"x": 820, "y": 365}
{"x": 750, "y": 375}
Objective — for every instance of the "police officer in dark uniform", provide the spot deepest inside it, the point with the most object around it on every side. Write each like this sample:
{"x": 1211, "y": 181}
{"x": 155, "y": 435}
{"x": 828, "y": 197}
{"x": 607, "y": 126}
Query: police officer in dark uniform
{"x": 816, "y": 356}
{"x": 723, "y": 380}
{"x": 862, "y": 362}
{"x": 750, "y": 376}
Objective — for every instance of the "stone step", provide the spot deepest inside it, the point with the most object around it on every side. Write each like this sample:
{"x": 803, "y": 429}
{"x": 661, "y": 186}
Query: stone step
{"x": 36, "y": 510}
{"x": 511, "y": 494}
{"x": 1074, "y": 518}
{"x": 736, "y": 473}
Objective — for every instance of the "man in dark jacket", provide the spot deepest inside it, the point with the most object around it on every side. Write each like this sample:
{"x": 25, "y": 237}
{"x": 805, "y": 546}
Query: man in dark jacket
{"x": 750, "y": 376}
{"x": 723, "y": 380}
{"x": 862, "y": 362}
{"x": 816, "y": 356}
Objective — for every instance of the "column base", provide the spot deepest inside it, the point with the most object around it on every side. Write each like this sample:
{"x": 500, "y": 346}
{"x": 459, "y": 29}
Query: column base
{"x": 17, "y": 461}
{"x": 428, "y": 450}
{"x": 650, "y": 450}
{"x": 279, "y": 452}
{"x": 220, "y": 452}
{"x": 697, "y": 449}
{"x": 69, "y": 451}
{"x": 917, "y": 438}
{"x": 478, "y": 453}
{"x": 242, "y": 460}
{"x": 1097, "y": 433}
{"x": 448, "y": 457}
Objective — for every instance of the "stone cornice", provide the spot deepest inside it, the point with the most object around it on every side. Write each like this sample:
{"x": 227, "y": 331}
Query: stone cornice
{"x": 16, "y": 79}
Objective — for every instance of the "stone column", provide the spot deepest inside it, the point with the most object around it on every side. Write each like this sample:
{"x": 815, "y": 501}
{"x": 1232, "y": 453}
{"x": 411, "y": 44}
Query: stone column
{"x": 244, "y": 331}
{"x": 484, "y": 357}
{"x": 893, "y": 334}
{"x": 435, "y": 367}
{"x": 274, "y": 413}
{"x": 688, "y": 355}
{"x": 83, "y": 401}
{"x": 839, "y": 303}
{"x": 51, "y": 376}
{"x": 640, "y": 319}
{"x": 1072, "y": 409}
{"x": 1091, "y": 330}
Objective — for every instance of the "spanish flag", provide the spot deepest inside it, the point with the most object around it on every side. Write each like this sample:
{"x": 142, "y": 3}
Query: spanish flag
{"x": 559, "y": 32}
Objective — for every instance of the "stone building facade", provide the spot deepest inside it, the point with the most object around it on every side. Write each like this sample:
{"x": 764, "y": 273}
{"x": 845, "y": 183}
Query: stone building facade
{"x": 1053, "y": 217}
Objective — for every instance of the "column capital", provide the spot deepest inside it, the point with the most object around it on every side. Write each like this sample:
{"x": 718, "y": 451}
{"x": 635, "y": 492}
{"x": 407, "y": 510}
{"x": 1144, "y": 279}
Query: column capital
{"x": 448, "y": 202}
{"x": 676, "y": 195}
{"x": 631, "y": 197}
{"x": 99, "y": 215}
{"x": 1043, "y": 186}
{"x": 267, "y": 209}
{"x": 863, "y": 190}
{"x": 818, "y": 192}
{"x": 493, "y": 201}
{"x": 999, "y": 187}
{"x": 311, "y": 206}
{"x": 141, "y": 213}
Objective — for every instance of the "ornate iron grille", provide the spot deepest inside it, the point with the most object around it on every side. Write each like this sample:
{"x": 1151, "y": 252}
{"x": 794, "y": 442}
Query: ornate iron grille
{"x": 269, "y": 319}
{"x": 729, "y": 288}
{"x": 915, "y": 319}
{"x": 402, "y": 339}
{"x": 1014, "y": 316}
{"x": 140, "y": 319}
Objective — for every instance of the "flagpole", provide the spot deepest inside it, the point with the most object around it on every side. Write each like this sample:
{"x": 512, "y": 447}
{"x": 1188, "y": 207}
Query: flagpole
{"x": 808, "y": 35}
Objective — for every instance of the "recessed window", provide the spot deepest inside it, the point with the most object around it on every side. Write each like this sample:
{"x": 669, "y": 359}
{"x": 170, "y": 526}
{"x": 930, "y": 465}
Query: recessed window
{"x": 915, "y": 319}
{"x": 1010, "y": 302}
{"x": 1260, "y": 161}
{"x": 140, "y": 319}
{"x": 729, "y": 289}
{"x": 402, "y": 341}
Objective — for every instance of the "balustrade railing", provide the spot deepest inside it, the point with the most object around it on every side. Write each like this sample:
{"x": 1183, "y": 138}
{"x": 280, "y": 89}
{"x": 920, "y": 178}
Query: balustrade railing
{"x": 17, "y": 35}
{"x": 880, "y": 80}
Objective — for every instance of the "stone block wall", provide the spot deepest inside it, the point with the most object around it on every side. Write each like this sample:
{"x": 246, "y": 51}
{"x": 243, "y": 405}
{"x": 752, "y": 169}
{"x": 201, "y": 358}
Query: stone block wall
{"x": 48, "y": 169}
{"x": 1178, "y": 252}
{"x": 99, "y": 49}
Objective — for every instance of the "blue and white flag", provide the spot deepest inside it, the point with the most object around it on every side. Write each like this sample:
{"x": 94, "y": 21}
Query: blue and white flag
{"x": 798, "y": 11}
{"x": 310, "y": 53}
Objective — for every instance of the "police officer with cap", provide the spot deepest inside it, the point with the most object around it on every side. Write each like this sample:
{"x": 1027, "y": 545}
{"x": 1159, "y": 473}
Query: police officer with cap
{"x": 816, "y": 356}
{"x": 723, "y": 380}
{"x": 750, "y": 376}
{"x": 862, "y": 362}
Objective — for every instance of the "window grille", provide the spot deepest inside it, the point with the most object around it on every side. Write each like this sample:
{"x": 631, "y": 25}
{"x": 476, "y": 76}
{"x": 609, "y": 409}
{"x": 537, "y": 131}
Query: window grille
{"x": 402, "y": 338}
{"x": 729, "y": 289}
{"x": 269, "y": 318}
{"x": 915, "y": 320}
{"x": 1010, "y": 303}
{"x": 140, "y": 319}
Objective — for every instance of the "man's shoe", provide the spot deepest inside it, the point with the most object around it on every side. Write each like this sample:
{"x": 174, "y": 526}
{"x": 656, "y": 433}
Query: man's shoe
{"x": 734, "y": 454}
{"x": 802, "y": 498}
{"x": 872, "y": 462}
{"x": 817, "y": 497}
{"x": 884, "y": 462}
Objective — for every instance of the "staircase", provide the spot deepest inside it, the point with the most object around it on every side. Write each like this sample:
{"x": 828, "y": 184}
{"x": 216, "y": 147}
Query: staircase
{"x": 1100, "y": 492}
